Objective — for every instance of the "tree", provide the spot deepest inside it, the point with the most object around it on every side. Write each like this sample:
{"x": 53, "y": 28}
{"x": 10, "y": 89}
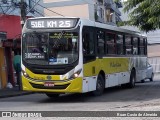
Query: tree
{"x": 145, "y": 14}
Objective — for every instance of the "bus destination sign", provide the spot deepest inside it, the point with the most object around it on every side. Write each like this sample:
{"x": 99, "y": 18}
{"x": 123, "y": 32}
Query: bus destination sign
{"x": 50, "y": 23}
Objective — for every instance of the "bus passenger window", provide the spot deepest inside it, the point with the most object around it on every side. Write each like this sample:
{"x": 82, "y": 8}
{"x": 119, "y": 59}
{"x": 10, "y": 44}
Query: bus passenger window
{"x": 101, "y": 42}
{"x": 145, "y": 45}
{"x": 135, "y": 46}
{"x": 142, "y": 47}
{"x": 110, "y": 43}
{"x": 88, "y": 43}
{"x": 128, "y": 45}
{"x": 119, "y": 41}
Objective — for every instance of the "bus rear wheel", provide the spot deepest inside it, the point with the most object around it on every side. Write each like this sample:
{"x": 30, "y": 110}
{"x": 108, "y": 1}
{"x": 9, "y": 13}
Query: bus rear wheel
{"x": 52, "y": 95}
{"x": 100, "y": 85}
{"x": 131, "y": 84}
{"x": 151, "y": 79}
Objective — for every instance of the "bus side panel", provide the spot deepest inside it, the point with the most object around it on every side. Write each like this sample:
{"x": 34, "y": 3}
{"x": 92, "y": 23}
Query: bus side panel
{"x": 140, "y": 65}
{"x": 116, "y": 72}
{"x": 91, "y": 70}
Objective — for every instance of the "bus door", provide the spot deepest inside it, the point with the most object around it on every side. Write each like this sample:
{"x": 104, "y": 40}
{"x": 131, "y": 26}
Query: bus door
{"x": 89, "y": 57}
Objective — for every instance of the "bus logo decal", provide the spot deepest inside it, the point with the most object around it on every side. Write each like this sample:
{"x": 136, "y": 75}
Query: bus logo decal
{"x": 49, "y": 77}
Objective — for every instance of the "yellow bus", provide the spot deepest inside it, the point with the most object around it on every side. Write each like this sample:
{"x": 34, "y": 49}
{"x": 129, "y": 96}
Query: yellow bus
{"x": 73, "y": 55}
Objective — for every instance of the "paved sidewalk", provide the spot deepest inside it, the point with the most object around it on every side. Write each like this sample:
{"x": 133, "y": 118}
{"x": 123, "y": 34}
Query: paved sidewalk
{"x": 10, "y": 92}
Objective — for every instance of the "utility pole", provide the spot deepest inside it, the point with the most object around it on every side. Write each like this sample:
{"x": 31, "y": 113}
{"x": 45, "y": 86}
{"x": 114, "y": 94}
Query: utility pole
{"x": 17, "y": 58}
{"x": 23, "y": 7}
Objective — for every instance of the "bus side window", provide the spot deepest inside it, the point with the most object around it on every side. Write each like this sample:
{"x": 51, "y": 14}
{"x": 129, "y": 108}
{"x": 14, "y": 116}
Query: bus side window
{"x": 88, "y": 40}
{"x": 145, "y": 44}
{"x": 119, "y": 41}
{"x": 100, "y": 43}
{"x": 135, "y": 45}
{"x": 128, "y": 45}
{"x": 142, "y": 46}
{"x": 88, "y": 43}
{"x": 110, "y": 43}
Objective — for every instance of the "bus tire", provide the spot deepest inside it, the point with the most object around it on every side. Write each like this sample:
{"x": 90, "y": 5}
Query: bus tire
{"x": 142, "y": 81}
{"x": 131, "y": 84}
{"x": 52, "y": 95}
{"x": 151, "y": 79}
{"x": 100, "y": 85}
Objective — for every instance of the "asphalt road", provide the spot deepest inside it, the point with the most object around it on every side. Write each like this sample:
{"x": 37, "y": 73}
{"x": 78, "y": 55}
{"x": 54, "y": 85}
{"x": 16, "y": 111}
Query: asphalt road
{"x": 144, "y": 97}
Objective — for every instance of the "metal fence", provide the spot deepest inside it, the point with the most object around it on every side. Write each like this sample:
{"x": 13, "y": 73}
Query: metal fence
{"x": 155, "y": 62}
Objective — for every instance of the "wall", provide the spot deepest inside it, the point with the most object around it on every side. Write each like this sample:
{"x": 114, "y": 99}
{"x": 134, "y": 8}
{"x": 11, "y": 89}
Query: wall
{"x": 81, "y": 8}
{"x": 3, "y": 69}
{"x": 74, "y": 8}
{"x": 153, "y": 50}
{"x": 73, "y": 11}
{"x": 154, "y": 57}
{"x": 11, "y": 25}
{"x": 155, "y": 62}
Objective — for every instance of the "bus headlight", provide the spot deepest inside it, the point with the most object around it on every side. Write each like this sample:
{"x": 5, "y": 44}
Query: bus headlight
{"x": 76, "y": 74}
{"x": 25, "y": 74}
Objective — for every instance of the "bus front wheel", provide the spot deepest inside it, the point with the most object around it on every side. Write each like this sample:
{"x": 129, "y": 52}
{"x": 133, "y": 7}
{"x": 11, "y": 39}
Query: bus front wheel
{"x": 51, "y": 95}
{"x": 100, "y": 85}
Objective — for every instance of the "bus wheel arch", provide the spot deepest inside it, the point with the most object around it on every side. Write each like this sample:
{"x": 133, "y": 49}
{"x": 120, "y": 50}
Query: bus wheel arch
{"x": 100, "y": 84}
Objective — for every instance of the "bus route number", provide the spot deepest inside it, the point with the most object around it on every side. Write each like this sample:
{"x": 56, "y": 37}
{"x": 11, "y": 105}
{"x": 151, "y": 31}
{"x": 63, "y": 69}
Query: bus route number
{"x": 60, "y": 24}
{"x": 50, "y": 24}
{"x": 37, "y": 24}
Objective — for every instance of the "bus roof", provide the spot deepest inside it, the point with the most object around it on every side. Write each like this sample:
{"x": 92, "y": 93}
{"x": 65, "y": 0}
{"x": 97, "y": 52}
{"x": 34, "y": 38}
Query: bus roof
{"x": 87, "y": 22}
{"x": 109, "y": 27}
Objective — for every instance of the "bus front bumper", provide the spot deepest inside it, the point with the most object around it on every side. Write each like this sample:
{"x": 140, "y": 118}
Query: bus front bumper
{"x": 70, "y": 86}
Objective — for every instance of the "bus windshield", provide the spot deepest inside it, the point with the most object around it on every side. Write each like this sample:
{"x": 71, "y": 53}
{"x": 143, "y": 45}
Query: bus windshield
{"x": 52, "y": 48}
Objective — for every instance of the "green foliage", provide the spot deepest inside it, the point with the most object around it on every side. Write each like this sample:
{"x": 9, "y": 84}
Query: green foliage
{"x": 145, "y": 14}
{"x": 117, "y": 0}
{"x": 121, "y": 23}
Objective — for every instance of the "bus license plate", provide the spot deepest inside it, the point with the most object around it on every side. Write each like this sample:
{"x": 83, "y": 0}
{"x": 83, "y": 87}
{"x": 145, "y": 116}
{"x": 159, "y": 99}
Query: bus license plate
{"x": 49, "y": 84}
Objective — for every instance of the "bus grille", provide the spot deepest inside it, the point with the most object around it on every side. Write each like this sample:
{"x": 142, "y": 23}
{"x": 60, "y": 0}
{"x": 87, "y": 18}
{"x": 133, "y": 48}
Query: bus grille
{"x": 41, "y": 86}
